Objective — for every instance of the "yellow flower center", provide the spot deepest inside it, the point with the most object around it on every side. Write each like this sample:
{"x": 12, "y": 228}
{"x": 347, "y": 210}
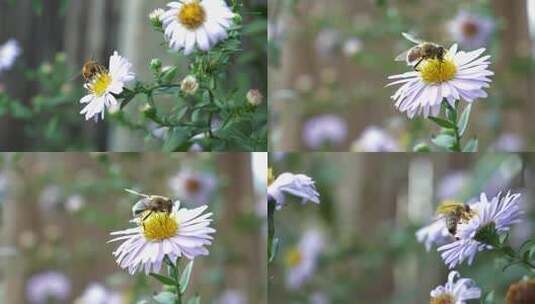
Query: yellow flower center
{"x": 100, "y": 84}
{"x": 435, "y": 71}
{"x": 442, "y": 299}
{"x": 159, "y": 226}
{"x": 192, "y": 15}
{"x": 293, "y": 257}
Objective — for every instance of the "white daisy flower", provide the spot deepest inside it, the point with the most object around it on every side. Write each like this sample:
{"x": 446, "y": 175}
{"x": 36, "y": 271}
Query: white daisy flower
{"x": 196, "y": 24}
{"x": 490, "y": 217}
{"x": 471, "y": 30}
{"x": 435, "y": 233}
{"x": 455, "y": 291}
{"x": 48, "y": 286}
{"x": 8, "y": 54}
{"x": 298, "y": 185}
{"x": 193, "y": 186}
{"x": 103, "y": 86}
{"x": 326, "y": 129}
{"x": 182, "y": 233}
{"x": 461, "y": 75}
{"x": 302, "y": 260}
{"x": 374, "y": 139}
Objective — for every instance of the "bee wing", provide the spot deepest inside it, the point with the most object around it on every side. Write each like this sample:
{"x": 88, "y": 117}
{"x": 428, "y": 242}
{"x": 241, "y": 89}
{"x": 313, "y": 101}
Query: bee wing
{"x": 411, "y": 38}
{"x": 402, "y": 56}
{"x": 136, "y": 193}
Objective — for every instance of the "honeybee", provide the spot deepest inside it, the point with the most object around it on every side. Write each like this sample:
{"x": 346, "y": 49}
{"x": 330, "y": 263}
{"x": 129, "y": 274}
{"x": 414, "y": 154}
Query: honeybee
{"x": 92, "y": 68}
{"x": 453, "y": 213}
{"x": 421, "y": 51}
{"x": 151, "y": 203}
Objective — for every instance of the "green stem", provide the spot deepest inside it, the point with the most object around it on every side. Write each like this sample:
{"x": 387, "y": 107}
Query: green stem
{"x": 515, "y": 257}
{"x": 271, "y": 226}
{"x": 453, "y": 116}
{"x": 174, "y": 273}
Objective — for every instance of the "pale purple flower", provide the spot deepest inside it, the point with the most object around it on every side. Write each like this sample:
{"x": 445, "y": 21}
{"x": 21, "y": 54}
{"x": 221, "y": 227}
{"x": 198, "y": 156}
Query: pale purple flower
{"x": 327, "y": 129}
{"x": 502, "y": 212}
{"x": 9, "y": 52}
{"x": 183, "y": 233}
{"x": 193, "y": 187}
{"x": 50, "y": 198}
{"x": 74, "y": 203}
{"x": 452, "y": 185}
{"x": 96, "y": 293}
{"x": 436, "y": 233}
{"x": 232, "y": 296}
{"x": 509, "y": 142}
{"x": 471, "y": 30}
{"x": 319, "y": 298}
{"x": 48, "y": 286}
{"x": 461, "y": 75}
{"x": 375, "y": 139}
{"x": 352, "y": 46}
{"x": 302, "y": 260}
{"x": 456, "y": 291}
{"x": 298, "y": 185}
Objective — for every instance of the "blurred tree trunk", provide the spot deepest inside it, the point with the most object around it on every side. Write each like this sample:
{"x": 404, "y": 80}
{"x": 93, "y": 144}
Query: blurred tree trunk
{"x": 246, "y": 244}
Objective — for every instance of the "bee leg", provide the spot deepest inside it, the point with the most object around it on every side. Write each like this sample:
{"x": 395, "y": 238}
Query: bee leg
{"x": 146, "y": 216}
{"x": 416, "y": 65}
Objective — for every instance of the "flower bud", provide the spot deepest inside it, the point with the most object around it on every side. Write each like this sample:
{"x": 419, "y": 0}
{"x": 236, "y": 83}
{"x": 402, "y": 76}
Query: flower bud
{"x": 169, "y": 73}
{"x": 189, "y": 85}
{"x": 155, "y": 65}
{"x": 521, "y": 292}
{"x": 254, "y": 97}
{"x": 154, "y": 17}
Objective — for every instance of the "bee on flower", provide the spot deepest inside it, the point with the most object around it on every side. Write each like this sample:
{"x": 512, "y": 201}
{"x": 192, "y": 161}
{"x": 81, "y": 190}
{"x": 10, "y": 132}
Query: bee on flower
{"x": 103, "y": 85}
{"x": 439, "y": 74}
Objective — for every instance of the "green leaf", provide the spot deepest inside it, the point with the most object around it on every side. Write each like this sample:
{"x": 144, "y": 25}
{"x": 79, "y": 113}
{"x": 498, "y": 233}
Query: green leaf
{"x": 442, "y": 122}
{"x": 421, "y": 147}
{"x": 165, "y": 297}
{"x": 463, "y": 122}
{"x": 274, "y": 249}
{"x": 195, "y": 300}
{"x": 488, "y": 298}
{"x": 184, "y": 278}
{"x": 443, "y": 140}
{"x": 471, "y": 145}
{"x": 177, "y": 138}
{"x": 164, "y": 279}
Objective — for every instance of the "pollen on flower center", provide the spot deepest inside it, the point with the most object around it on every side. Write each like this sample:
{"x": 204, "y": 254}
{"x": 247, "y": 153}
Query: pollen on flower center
{"x": 192, "y": 15}
{"x": 435, "y": 71}
{"x": 293, "y": 257}
{"x": 442, "y": 299}
{"x": 159, "y": 226}
{"x": 100, "y": 84}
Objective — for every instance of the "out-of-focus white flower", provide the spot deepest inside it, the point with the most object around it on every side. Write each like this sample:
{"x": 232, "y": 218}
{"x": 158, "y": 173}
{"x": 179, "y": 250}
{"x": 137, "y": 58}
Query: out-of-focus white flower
{"x": 50, "y": 198}
{"x": 155, "y": 17}
{"x": 48, "y": 286}
{"x": 189, "y": 85}
{"x": 9, "y": 52}
{"x": 490, "y": 218}
{"x": 276, "y": 30}
{"x": 302, "y": 260}
{"x": 298, "y": 185}
{"x": 196, "y": 24}
{"x": 471, "y": 30}
{"x": 96, "y": 293}
{"x": 327, "y": 129}
{"x": 327, "y": 42}
{"x": 352, "y": 46}
{"x": 435, "y": 233}
{"x": 509, "y": 142}
{"x": 74, "y": 203}
{"x": 182, "y": 233}
{"x": 461, "y": 75}
{"x": 452, "y": 185}
{"x": 104, "y": 85}
{"x": 232, "y": 296}
{"x": 374, "y": 139}
{"x": 455, "y": 292}
{"x": 193, "y": 187}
